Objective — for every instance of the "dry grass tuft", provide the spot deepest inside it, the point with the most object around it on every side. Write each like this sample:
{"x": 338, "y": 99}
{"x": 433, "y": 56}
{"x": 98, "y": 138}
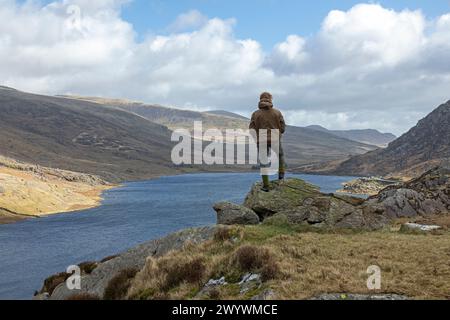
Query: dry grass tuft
{"x": 223, "y": 234}
{"x": 251, "y": 258}
{"x": 175, "y": 273}
{"x": 118, "y": 286}
{"x": 160, "y": 276}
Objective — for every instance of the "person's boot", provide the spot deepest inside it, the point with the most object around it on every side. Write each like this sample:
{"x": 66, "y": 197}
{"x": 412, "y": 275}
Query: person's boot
{"x": 266, "y": 184}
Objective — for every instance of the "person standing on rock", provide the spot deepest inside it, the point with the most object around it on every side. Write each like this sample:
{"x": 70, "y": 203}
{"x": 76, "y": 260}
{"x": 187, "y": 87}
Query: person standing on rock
{"x": 268, "y": 118}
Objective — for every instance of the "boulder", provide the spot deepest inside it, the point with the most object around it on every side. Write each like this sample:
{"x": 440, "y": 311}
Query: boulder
{"x": 302, "y": 203}
{"x": 283, "y": 196}
{"x": 233, "y": 214}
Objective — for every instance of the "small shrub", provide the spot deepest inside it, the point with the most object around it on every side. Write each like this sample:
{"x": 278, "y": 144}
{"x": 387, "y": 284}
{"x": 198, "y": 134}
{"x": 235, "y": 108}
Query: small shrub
{"x": 214, "y": 294}
{"x": 88, "y": 267}
{"x": 118, "y": 286}
{"x": 83, "y": 297}
{"x": 222, "y": 234}
{"x": 270, "y": 271}
{"x": 52, "y": 282}
{"x": 192, "y": 272}
{"x": 251, "y": 258}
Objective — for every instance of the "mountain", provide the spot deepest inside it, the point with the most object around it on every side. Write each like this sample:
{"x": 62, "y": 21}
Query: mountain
{"x": 82, "y": 136}
{"x": 424, "y": 146}
{"x": 227, "y": 114}
{"x": 301, "y": 145}
{"x": 120, "y": 140}
{"x": 369, "y": 136}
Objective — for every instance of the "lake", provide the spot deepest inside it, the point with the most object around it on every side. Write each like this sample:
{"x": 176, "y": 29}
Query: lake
{"x": 34, "y": 249}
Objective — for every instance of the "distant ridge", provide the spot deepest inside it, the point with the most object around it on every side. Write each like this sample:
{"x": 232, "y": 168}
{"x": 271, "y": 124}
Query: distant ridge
{"x": 369, "y": 136}
{"x": 227, "y": 114}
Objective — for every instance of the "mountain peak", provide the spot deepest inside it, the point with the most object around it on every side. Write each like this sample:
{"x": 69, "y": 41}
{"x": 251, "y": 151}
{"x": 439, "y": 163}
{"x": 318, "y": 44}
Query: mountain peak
{"x": 424, "y": 146}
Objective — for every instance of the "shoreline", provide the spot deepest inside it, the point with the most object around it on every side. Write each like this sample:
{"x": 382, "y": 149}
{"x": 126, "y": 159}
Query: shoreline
{"x": 96, "y": 195}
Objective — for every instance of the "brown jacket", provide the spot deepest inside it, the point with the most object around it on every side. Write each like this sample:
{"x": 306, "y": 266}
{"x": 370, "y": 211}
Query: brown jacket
{"x": 267, "y": 117}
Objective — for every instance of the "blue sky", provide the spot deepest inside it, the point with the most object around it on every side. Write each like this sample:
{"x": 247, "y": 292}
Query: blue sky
{"x": 266, "y": 21}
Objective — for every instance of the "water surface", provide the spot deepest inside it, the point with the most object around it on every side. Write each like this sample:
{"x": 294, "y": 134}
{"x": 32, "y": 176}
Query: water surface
{"x": 32, "y": 250}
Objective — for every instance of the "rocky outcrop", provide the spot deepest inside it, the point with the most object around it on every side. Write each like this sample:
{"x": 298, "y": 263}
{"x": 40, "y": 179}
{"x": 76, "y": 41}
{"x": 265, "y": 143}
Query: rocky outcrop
{"x": 366, "y": 186}
{"x": 233, "y": 214}
{"x": 283, "y": 196}
{"x": 302, "y": 203}
{"x": 96, "y": 282}
{"x": 424, "y": 196}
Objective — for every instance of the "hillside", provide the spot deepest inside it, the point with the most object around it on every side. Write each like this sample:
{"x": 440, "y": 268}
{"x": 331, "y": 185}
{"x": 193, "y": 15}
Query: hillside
{"x": 301, "y": 145}
{"x": 82, "y": 136}
{"x": 369, "y": 136}
{"x": 424, "y": 146}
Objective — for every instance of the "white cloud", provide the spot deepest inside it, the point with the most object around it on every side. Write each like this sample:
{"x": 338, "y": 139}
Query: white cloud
{"x": 366, "y": 67}
{"x": 189, "y": 20}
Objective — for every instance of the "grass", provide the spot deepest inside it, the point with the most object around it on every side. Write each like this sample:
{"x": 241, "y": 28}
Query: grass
{"x": 300, "y": 263}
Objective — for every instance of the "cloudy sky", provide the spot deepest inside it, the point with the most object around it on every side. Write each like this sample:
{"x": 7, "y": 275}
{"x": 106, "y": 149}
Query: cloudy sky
{"x": 341, "y": 64}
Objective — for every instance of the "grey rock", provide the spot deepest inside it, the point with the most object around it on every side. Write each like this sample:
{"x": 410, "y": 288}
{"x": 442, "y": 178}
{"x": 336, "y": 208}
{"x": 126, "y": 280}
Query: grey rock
{"x": 249, "y": 282}
{"x": 233, "y": 214}
{"x": 419, "y": 227}
{"x": 215, "y": 283}
{"x": 250, "y": 277}
{"x": 302, "y": 203}
{"x": 344, "y": 296}
{"x": 283, "y": 196}
{"x": 211, "y": 285}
